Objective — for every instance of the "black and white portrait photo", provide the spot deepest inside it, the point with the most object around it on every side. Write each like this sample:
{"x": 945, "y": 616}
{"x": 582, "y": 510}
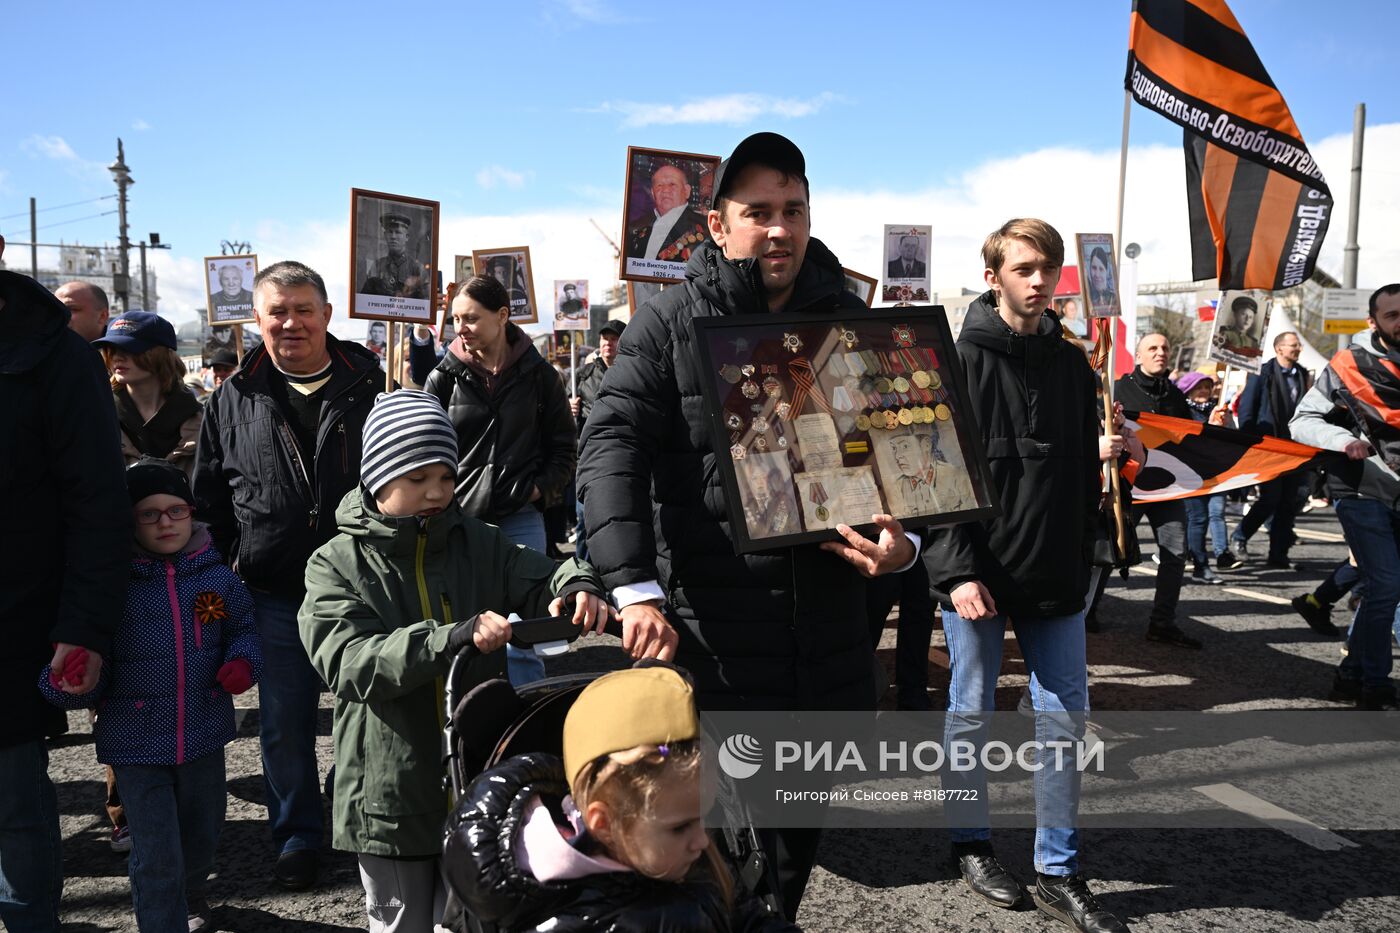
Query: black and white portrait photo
{"x": 393, "y": 250}
{"x": 906, "y": 262}
{"x": 228, "y": 283}
{"x": 510, "y": 265}
{"x": 766, "y": 491}
{"x": 222, "y": 337}
{"x": 667, "y": 198}
{"x": 571, "y": 304}
{"x": 1241, "y": 320}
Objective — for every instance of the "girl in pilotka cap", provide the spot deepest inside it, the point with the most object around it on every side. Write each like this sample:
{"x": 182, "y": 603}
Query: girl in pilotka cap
{"x": 611, "y": 837}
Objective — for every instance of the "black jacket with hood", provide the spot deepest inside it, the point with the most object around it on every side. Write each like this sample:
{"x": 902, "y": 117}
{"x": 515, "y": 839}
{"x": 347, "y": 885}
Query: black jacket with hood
{"x": 1033, "y": 398}
{"x": 66, "y": 534}
{"x": 783, "y": 629}
{"x": 1157, "y": 394}
{"x": 514, "y": 430}
{"x": 482, "y": 867}
{"x": 266, "y": 511}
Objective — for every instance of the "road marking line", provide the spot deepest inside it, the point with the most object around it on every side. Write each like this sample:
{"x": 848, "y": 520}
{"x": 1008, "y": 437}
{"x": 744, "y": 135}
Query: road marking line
{"x": 1299, "y": 828}
{"x": 1319, "y": 535}
{"x": 1251, "y": 594}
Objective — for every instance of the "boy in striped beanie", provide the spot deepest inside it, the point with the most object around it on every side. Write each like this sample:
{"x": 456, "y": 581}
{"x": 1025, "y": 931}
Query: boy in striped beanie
{"x": 409, "y": 583}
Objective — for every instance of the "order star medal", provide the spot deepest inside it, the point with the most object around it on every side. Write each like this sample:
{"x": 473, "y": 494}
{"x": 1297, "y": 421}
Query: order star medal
{"x": 903, "y": 335}
{"x": 792, "y": 342}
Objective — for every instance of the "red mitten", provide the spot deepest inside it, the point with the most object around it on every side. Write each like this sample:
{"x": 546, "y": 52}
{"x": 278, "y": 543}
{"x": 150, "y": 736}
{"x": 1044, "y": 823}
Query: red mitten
{"x": 74, "y": 667}
{"x": 235, "y": 676}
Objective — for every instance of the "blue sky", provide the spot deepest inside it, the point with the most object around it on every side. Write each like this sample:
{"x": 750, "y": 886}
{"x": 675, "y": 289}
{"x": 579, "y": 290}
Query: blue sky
{"x": 252, "y": 121}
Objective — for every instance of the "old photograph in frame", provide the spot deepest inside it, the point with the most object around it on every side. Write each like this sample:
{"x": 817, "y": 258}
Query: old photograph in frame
{"x": 571, "y": 304}
{"x": 226, "y": 337}
{"x": 665, "y": 201}
{"x": 818, "y": 420}
{"x": 862, "y": 286}
{"x": 393, "y": 257}
{"x": 228, "y": 287}
{"x": 1098, "y": 274}
{"x": 906, "y": 263}
{"x": 510, "y": 265}
{"x": 1241, "y": 320}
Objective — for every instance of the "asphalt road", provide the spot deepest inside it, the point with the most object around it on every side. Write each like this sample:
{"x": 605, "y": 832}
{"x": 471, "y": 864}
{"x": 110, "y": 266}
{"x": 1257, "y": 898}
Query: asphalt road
{"x": 1255, "y": 876}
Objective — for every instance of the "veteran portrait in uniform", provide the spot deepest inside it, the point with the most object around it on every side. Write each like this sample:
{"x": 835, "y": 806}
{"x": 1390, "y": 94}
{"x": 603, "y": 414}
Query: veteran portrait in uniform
{"x": 227, "y": 281}
{"x": 511, "y": 267}
{"x": 918, "y": 477}
{"x": 1241, "y": 319}
{"x": 393, "y": 253}
{"x": 767, "y": 496}
{"x": 664, "y": 214}
{"x": 571, "y": 305}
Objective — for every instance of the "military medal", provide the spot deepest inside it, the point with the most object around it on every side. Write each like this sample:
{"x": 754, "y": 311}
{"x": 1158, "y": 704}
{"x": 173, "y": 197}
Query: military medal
{"x": 901, "y": 384}
{"x": 729, "y": 373}
{"x": 782, "y": 441}
{"x": 760, "y": 424}
{"x": 883, "y": 385}
{"x": 934, "y": 380}
{"x": 738, "y": 452}
{"x": 783, "y": 409}
{"x": 920, "y": 379}
{"x": 942, "y": 412}
{"x": 747, "y": 369}
{"x": 817, "y": 494}
{"x": 792, "y": 342}
{"x": 903, "y": 335}
{"x": 848, "y": 337}
{"x": 749, "y": 388}
{"x": 760, "y": 443}
{"x": 733, "y": 422}
{"x": 862, "y": 422}
{"x": 891, "y": 420}
{"x": 772, "y": 387}
{"x": 905, "y": 416}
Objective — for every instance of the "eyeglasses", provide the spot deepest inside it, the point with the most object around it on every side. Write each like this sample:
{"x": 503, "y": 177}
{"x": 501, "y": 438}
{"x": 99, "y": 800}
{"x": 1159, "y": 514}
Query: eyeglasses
{"x": 176, "y": 513}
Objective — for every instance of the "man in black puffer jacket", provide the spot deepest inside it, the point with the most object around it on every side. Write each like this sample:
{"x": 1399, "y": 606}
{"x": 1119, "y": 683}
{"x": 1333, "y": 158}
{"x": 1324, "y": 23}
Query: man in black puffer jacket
{"x": 778, "y": 630}
{"x": 1032, "y": 394}
{"x": 1147, "y": 388}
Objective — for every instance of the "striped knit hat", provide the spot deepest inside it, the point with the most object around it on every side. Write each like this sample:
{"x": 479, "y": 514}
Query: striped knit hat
{"x": 405, "y": 431}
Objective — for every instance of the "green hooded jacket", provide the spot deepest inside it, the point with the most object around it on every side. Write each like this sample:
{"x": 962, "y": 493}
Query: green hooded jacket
{"x": 381, "y": 598}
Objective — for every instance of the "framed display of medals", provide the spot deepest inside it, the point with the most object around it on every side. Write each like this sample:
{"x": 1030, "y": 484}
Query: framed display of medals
{"x": 819, "y": 420}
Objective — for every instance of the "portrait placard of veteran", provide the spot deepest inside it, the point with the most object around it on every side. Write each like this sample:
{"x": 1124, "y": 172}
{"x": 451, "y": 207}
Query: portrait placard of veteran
{"x": 571, "y": 304}
{"x": 906, "y": 262}
{"x": 510, "y": 265}
{"x": 1098, "y": 274}
{"x": 393, "y": 256}
{"x": 663, "y": 215}
{"x": 1241, "y": 319}
{"x": 228, "y": 284}
{"x": 225, "y": 337}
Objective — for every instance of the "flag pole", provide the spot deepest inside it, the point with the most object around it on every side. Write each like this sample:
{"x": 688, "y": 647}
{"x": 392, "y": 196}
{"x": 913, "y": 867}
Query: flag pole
{"x": 1115, "y": 482}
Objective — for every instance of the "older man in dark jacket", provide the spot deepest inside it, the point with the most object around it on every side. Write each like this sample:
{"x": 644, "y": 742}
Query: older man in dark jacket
{"x": 1032, "y": 393}
{"x": 278, "y": 450}
{"x": 1268, "y": 401}
{"x": 1147, "y": 388}
{"x": 66, "y": 538}
{"x": 779, "y": 630}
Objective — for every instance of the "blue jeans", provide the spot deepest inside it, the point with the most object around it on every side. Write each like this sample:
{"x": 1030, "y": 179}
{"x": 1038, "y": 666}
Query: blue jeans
{"x": 1200, "y": 512}
{"x": 524, "y": 527}
{"x": 31, "y": 854}
{"x": 1054, "y": 653}
{"x": 175, "y": 813}
{"x": 289, "y": 693}
{"x": 1372, "y": 531}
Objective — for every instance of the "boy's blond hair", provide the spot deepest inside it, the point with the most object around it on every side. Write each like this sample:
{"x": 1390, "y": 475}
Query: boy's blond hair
{"x": 1039, "y": 234}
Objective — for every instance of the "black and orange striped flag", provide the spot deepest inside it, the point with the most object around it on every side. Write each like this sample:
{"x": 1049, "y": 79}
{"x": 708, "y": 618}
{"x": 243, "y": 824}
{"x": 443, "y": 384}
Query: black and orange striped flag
{"x": 1259, "y": 205}
{"x": 1186, "y": 458}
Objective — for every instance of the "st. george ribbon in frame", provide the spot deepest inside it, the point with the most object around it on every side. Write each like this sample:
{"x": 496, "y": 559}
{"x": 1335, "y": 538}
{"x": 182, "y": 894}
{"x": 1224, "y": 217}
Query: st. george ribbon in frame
{"x": 818, "y": 420}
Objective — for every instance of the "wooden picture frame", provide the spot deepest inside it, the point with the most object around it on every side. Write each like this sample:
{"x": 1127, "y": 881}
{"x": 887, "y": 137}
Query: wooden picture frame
{"x": 863, "y": 287}
{"x": 393, "y": 257}
{"x": 220, "y": 307}
{"x": 817, "y": 419}
{"x": 639, "y": 209}
{"x": 1098, "y": 248}
{"x": 515, "y": 273}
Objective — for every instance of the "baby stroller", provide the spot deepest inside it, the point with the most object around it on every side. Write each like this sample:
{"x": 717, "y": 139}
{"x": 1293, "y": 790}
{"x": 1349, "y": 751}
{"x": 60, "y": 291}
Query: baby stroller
{"x": 487, "y": 721}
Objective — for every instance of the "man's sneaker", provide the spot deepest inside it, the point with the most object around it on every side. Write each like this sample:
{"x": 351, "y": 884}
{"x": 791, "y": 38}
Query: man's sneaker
{"x": 1345, "y": 689}
{"x": 1203, "y": 574}
{"x": 121, "y": 840}
{"x": 1171, "y": 635}
{"x": 985, "y": 875}
{"x": 1069, "y": 901}
{"x": 1240, "y": 546}
{"x": 1156, "y": 558}
{"x": 1225, "y": 560}
{"x": 1317, "y": 615}
{"x": 197, "y": 909}
{"x": 1377, "y": 699}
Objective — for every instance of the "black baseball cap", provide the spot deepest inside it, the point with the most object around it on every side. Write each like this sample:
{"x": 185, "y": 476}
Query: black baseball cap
{"x": 613, "y": 327}
{"x": 137, "y": 332}
{"x": 769, "y": 149}
{"x": 223, "y": 357}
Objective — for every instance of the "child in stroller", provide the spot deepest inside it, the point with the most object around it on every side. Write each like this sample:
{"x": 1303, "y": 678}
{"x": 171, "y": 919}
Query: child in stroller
{"x": 610, "y": 835}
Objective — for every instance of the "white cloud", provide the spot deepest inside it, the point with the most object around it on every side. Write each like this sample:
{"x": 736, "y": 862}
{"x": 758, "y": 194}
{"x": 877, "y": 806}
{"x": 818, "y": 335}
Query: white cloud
{"x": 727, "y": 108}
{"x": 498, "y": 176}
{"x": 140, "y": 125}
{"x": 50, "y": 147}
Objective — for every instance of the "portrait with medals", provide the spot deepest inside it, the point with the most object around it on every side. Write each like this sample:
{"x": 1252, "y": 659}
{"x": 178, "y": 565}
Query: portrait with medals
{"x": 766, "y": 492}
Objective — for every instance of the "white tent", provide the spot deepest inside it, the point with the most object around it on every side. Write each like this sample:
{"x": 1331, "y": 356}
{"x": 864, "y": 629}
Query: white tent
{"x": 1279, "y": 322}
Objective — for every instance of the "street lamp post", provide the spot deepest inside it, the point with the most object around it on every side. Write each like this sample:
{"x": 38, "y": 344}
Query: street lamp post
{"x": 121, "y": 174}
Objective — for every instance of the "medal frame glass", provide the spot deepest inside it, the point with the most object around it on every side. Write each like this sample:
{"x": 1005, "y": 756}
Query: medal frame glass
{"x": 816, "y": 419}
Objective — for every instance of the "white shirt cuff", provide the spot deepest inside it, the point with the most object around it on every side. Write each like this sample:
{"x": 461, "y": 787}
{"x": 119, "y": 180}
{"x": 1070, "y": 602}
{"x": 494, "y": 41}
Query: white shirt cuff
{"x": 918, "y": 543}
{"x": 425, "y": 342}
{"x": 631, "y": 593}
